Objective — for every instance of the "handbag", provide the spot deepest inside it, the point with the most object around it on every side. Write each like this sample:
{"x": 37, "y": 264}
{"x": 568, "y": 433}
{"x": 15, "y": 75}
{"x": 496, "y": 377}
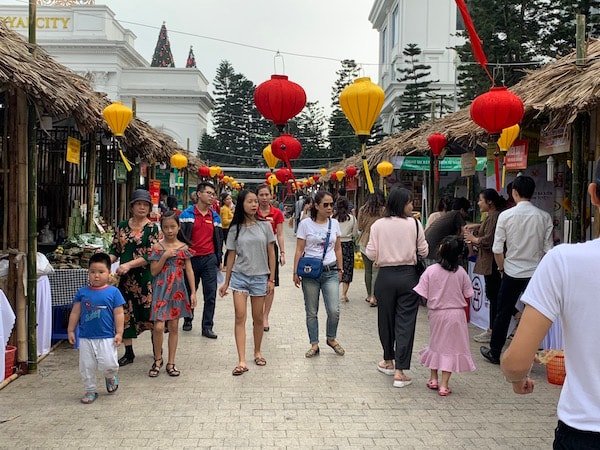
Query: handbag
{"x": 420, "y": 266}
{"x": 311, "y": 267}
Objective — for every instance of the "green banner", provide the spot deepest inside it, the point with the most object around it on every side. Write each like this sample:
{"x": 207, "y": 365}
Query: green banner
{"x": 448, "y": 164}
{"x": 120, "y": 172}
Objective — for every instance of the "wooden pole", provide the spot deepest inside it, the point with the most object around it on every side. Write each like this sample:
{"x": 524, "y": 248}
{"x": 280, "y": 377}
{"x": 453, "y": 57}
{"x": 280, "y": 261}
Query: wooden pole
{"x": 577, "y": 167}
{"x": 91, "y": 184}
{"x": 580, "y": 59}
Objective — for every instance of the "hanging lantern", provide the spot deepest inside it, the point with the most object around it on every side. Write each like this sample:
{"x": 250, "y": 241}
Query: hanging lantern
{"x": 385, "y": 168}
{"x": 226, "y": 179}
{"x": 178, "y": 161}
{"x": 286, "y": 147}
{"x": 332, "y": 176}
{"x": 311, "y": 180}
{"x": 204, "y": 171}
{"x": 316, "y": 177}
{"x": 268, "y": 174}
{"x": 505, "y": 141}
{"x": 221, "y": 176}
{"x": 272, "y": 180}
{"x": 497, "y": 109}
{"x": 437, "y": 142}
{"x": 362, "y": 102}
{"x": 283, "y": 175}
{"x": 117, "y": 116}
{"x": 270, "y": 159}
{"x": 213, "y": 171}
{"x": 351, "y": 171}
{"x": 323, "y": 171}
{"x": 279, "y": 99}
{"x": 339, "y": 175}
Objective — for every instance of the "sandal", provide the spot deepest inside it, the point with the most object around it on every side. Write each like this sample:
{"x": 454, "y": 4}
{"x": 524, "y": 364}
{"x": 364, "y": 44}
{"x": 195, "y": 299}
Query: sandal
{"x": 239, "y": 370}
{"x": 172, "y": 371}
{"x": 337, "y": 348}
{"x": 401, "y": 382}
{"x": 444, "y": 391}
{"x": 433, "y": 384}
{"x": 312, "y": 352}
{"x": 260, "y": 361}
{"x": 155, "y": 370}
{"x": 112, "y": 384}
{"x": 385, "y": 369}
{"x": 89, "y": 397}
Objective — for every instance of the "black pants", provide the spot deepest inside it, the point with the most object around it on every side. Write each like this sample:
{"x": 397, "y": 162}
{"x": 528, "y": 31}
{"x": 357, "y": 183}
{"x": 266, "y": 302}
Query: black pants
{"x": 510, "y": 289}
{"x": 205, "y": 268}
{"x": 569, "y": 438}
{"x": 397, "y": 311}
{"x": 492, "y": 286}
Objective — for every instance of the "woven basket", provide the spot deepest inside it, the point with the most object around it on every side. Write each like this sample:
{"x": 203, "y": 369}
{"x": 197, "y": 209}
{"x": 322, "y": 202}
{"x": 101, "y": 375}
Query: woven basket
{"x": 555, "y": 369}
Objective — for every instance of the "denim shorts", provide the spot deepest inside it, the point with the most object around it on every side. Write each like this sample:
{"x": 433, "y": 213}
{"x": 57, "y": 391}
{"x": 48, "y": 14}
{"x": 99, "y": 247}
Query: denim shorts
{"x": 255, "y": 285}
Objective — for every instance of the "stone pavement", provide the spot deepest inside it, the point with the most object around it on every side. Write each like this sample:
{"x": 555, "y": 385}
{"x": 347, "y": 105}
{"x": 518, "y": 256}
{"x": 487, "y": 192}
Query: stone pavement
{"x": 293, "y": 402}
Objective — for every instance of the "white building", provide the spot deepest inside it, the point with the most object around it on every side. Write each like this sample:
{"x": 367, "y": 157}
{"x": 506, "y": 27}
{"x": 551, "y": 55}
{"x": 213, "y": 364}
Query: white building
{"x": 90, "y": 41}
{"x": 432, "y": 25}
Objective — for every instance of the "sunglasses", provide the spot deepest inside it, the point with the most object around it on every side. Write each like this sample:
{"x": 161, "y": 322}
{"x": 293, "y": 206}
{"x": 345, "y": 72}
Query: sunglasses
{"x": 327, "y": 205}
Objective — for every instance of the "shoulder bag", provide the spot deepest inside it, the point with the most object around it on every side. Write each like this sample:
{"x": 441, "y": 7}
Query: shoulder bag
{"x": 420, "y": 266}
{"x": 310, "y": 267}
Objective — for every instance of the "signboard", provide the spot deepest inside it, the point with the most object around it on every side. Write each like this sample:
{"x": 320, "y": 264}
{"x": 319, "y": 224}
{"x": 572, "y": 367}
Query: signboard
{"x": 468, "y": 163}
{"x": 555, "y": 142}
{"x": 448, "y": 164}
{"x": 73, "y": 150}
{"x": 120, "y": 172}
{"x": 516, "y": 157}
{"x": 351, "y": 183}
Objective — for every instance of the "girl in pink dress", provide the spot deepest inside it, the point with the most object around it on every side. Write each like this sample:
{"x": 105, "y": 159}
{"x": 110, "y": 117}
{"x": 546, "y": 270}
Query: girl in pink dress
{"x": 445, "y": 286}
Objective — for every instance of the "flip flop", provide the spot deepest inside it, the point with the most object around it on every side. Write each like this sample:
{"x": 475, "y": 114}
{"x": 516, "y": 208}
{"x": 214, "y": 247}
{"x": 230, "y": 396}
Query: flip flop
{"x": 89, "y": 397}
{"x": 260, "y": 361}
{"x": 239, "y": 370}
{"x": 385, "y": 370}
{"x": 433, "y": 384}
{"x": 112, "y": 384}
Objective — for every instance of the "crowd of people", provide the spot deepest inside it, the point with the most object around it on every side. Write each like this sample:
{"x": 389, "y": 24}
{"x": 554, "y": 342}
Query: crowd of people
{"x": 159, "y": 270}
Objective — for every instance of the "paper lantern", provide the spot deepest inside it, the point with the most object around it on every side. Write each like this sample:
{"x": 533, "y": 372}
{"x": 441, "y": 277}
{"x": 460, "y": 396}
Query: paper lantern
{"x": 311, "y": 180}
{"x": 316, "y": 177}
{"x": 204, "y": 171}
{"x": 117, "y": 116}
{"x": 272, "y": 179}
{"x": 339, "y": 175}
{"x": 268, "y": 174}
{"x": 323, "y": 172}
{"x": 270, "y": 159}
{"x": 178, "y": 161}
{"x": 283, "y": 175}
{"x": 213, "y": 171}
{"x": 385, "y": 168}
{"x": 497, "y": 109}
{"x": 286, "y": 147}
{"x": 221, "y": 176}
{"x": 437, "y": 142}
{"x": 279, "y": 99}
{"x": 332, "y": 176}
{"x": 361, "y": 102}
{"x": 351, "y": 171}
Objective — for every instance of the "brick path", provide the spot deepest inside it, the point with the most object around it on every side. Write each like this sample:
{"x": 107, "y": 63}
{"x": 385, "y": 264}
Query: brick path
{"x": 292, "y": 402}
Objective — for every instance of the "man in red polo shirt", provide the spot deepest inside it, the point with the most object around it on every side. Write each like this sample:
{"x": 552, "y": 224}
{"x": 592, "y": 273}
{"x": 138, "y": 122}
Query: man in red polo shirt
{"x": 274, "y": 215}
{"x": 201, "y": 226}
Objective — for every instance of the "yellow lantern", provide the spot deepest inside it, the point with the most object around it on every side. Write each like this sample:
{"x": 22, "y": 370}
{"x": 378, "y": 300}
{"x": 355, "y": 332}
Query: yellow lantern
{"x": 505, "y": 141}
{"x": 339, "y": 175}
{"x": 385, "y": 168}
{"x": 117, "y": 116}
{"x": 270, "y": 159}
{"x": 311, "y": 180}
{"x": 225, "y": 179}
{"x": 179, "y": 161}
{"x": 273, "y": 181}
{"x": 213, "y": 170}
{"x": 362, "y": 102}
{"x": 323, "y": 171}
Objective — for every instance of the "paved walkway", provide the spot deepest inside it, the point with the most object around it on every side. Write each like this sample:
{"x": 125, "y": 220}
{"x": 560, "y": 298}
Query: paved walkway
{"x": 292, "y": 402}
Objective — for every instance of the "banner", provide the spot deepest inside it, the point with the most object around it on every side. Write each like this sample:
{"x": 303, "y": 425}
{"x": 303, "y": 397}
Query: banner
{"x": 73, "y": 150}
{"x": 448, "y": 164}
{"x": 516, "y": 157}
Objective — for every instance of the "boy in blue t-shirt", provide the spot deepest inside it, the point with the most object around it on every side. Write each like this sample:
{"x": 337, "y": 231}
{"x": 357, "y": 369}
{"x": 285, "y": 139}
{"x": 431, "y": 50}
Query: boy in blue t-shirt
{"x": 98, "y": 311}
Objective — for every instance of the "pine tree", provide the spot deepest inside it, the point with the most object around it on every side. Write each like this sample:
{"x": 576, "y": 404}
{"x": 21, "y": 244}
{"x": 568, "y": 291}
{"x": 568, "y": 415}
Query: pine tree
{"x": 377, "y": 134}
{"x": 191, "y": 59}
{"x": 162, "y": 53}
{"x": 416, "y": 106}
{"x": 342, "y": 139}
{"x": 309, "y": 128}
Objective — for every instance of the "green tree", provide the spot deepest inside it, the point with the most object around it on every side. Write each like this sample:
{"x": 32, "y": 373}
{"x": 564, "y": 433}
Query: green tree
{"x": 416, "y": 99}
{"x": 342, "y": 140}
{"x": 377, "y": 134}
{"x": 309, "y": 128}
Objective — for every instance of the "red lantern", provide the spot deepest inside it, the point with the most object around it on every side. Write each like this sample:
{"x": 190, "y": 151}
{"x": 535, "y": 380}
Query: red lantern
{"x": 267, "y": 175}
{"x": 279, "y": 99}
{"x": 283, "y": 175}
{"x": 437, "y": 142}
{"x": 204, "y": 171}
{"x": 333, "y": 177}
{"x": 351, "y": 171}
{"x": 316, "y": 177}
{"x": 286, "y": 147}
{"x": 221, "y": 176}
{"x": 497, "y": 109}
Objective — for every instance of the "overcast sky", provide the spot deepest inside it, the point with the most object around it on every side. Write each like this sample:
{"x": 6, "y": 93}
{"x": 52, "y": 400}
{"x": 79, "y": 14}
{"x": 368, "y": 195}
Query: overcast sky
{"x": 319, "y": 29}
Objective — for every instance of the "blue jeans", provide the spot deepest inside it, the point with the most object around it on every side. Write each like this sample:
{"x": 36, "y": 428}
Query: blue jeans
{"x": 329, "y": 285}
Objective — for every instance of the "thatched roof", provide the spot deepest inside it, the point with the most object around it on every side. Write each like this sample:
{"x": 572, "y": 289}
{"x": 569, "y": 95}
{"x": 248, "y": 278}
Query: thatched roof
{"x": 560, "y": 90}
{"x": 58, "y": 91}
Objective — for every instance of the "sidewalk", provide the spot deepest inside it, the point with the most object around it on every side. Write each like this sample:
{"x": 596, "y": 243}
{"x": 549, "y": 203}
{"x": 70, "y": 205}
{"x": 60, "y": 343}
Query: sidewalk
{"x": 293, "y": 402}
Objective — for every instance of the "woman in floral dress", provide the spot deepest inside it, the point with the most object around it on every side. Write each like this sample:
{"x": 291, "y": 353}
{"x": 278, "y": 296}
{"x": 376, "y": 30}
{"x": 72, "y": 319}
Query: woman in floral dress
{"x": 132, "y": 243}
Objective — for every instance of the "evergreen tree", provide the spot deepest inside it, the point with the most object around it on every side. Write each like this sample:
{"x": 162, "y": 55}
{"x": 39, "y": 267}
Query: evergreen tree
{"x": 309, "y": 128}
{"x": 416, "y": 106}
{"x": 162, "y": 53}
{"x": 342, "y": 139}
{"x": 377, "y": 134}
{"x": 191, "y": 59}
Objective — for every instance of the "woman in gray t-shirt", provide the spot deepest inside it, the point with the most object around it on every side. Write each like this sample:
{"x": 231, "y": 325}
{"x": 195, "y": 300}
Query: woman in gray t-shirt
{"x": 250, "y": 272}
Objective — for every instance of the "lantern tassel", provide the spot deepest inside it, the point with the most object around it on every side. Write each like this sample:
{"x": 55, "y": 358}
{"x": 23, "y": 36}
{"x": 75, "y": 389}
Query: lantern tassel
{"x": 289, "y": 166}
{"x": 503, "y": 174}
{"x": 125, "y": 161}
{"x": 478, "y": 52}
{"x": 366, "y": 167}
{"x": 497, "y": 172}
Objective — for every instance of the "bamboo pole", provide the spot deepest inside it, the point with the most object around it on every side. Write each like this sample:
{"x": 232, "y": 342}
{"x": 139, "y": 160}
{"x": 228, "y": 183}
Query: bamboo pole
{"x": 91, "y": 184}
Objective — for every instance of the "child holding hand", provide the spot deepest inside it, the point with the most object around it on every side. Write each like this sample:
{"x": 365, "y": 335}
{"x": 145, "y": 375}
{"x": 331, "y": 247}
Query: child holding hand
{"x": 445, "y": 286}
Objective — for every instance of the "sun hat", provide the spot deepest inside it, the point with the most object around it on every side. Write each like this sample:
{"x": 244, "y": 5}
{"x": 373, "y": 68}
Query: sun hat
{"x": 141, "y": 195}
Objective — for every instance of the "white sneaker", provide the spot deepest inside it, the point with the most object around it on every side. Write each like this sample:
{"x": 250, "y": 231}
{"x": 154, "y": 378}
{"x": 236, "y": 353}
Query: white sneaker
{"x": 483, "y": 338}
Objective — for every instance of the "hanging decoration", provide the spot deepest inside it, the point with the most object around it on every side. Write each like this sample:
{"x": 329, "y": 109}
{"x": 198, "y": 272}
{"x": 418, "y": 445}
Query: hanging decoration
{"x": 204, "y": 171}
{"x": 340, "y": 175}
{"x": 478, "y": 52}
{"x": 323, "y": 171}
{"x": 178, "y": 162}
{"x": 437, "y": 142}
{"x": 279, "y": 99}
{"x": 362, "y": 102}
{"x": 497, "y": 109}
{"x": 287, "y": 148}
{"x": 118, "y": 117}
{"x": 316, "y": 177}
{"x": 351, "y": 171}
{"x": 332, "y": 176}
{"x": 505, "y": 141}
{"x": 270, "y": 159}
{"x": 385, "y": 169}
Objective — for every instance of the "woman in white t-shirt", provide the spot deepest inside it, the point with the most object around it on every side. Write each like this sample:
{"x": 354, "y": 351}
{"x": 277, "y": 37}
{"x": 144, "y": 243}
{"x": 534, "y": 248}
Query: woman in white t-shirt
{"x": 250, "y": 272}
{"x": 311, "y": 237}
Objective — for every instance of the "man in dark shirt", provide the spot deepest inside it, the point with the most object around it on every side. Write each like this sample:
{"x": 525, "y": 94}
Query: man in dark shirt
{"x": 450, "y": 224}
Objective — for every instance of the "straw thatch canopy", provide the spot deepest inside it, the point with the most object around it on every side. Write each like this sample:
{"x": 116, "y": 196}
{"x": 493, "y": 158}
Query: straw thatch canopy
{"x": 57, "y": 91}
{"x": 559, "y": 92}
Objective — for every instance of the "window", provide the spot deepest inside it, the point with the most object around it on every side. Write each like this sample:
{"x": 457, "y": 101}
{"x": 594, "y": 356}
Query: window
{"x": 395, "y": 27}
{"x": 384, "y": 46}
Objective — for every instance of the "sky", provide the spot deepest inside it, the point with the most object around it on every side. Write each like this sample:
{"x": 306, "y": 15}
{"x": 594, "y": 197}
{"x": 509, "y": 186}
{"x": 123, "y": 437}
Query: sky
{"x": 326, "y": 31}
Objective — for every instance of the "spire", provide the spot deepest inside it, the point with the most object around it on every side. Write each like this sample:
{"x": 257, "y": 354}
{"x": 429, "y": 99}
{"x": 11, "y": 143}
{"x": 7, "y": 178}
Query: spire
{"x": 162, "y": 53}
{"x": 191, "y": 61}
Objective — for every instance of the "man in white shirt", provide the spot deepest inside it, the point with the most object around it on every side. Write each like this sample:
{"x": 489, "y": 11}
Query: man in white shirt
{"x": 527, "y": 233}
{"x": 565, "y": 286}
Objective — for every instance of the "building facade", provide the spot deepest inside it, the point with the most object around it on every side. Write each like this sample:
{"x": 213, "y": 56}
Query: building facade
{"x": 432, "y": 25}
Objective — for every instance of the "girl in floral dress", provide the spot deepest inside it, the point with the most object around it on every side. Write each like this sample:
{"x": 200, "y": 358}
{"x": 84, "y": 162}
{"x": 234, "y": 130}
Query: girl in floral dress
{"x": 170, "y": 263}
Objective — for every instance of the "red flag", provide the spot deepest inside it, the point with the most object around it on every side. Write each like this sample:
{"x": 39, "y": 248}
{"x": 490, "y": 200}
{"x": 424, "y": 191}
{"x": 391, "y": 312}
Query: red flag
{"x": 474, "y": 38}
